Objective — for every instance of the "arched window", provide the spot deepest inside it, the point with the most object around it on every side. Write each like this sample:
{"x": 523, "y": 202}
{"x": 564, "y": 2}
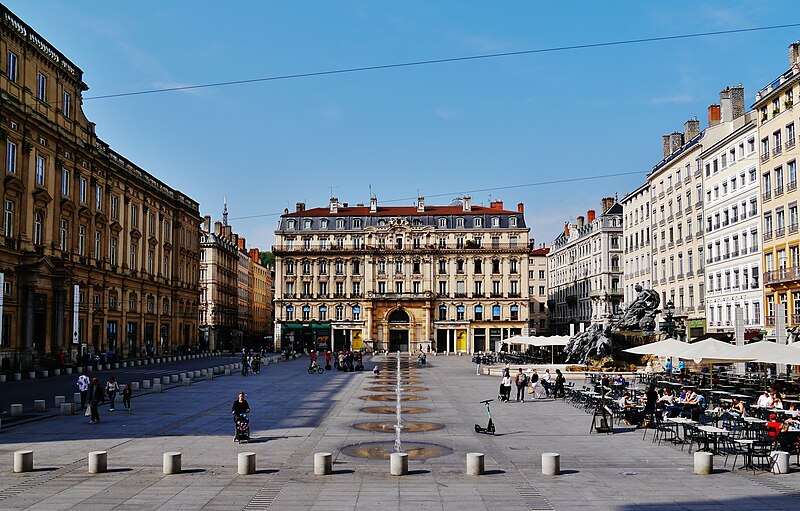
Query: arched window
{"x": 289, "y": 313}
{"x": 479, "y": 313}
{"x": 442, "y": 313}
{"x": 399, "y": 316}
{"x": 495, "y": 313}
{"x": 306, "y": 312}
{"x": 442, "y": 222}
{"x": 290, "y": 224}
{"x": 323, "y": 313}
{"x": 478, "y": 222}
{"x": 514, "y": 312}
{"x": 323, "y": 224}
{"x": 357, "y": 313}
{"x": 307, "y": 224}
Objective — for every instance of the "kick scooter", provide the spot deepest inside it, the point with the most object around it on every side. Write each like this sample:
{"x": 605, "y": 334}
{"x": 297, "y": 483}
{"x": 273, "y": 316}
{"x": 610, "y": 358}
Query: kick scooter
{"x": 489, "y": 429}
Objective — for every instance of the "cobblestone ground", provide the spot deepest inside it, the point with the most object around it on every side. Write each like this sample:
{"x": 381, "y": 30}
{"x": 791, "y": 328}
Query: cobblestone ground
{"x": 296, "y": 414}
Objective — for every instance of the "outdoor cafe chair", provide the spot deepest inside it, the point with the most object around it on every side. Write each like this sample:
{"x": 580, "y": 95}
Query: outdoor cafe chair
{"x": 761, "y": 450}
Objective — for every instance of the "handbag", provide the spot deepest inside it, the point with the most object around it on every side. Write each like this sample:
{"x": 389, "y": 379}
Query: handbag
{"x": 88, "y": 412}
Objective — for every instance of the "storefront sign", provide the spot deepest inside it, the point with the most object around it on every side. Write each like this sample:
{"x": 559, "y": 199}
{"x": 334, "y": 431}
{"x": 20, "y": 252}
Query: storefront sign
{"x": 696, "y": 323}
{"x": 76, "y": 297}
{"x": 461, "y": 340}
{"x": 357, "y": 340}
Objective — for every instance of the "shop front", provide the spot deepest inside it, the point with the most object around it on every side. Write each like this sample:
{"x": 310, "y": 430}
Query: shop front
{"x": 305, "y": 337}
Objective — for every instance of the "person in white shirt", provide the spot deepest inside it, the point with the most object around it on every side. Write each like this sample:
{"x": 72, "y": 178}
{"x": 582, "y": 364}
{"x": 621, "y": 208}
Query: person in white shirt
{"x": 546, "y": 377}
{"x": 764, "y": 400}
{"x": 505, "y": 388}
{"x": 83, "y": 387}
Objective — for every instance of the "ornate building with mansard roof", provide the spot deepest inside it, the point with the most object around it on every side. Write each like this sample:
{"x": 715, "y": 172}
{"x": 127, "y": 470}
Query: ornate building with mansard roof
{"x": 439, "y": 278}
{"x": 96, "y": 253}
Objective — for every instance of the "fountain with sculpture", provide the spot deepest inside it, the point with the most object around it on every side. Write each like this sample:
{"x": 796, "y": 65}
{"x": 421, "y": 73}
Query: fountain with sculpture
{"x": 596, "y": 341}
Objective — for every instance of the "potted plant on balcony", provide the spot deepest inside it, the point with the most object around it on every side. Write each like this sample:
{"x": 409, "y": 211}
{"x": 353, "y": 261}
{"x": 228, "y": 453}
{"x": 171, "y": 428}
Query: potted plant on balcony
{"x": 470, "y": 244}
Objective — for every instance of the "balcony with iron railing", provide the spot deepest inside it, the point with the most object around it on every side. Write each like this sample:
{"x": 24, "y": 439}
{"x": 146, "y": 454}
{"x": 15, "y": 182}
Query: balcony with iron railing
{"x": 764, "y": 156}
{"x": 767, "y": 235}
{"x": 780, "y": 231}
{"x": 789, "y": 143}
{"x": 777, "y": 150}
{"x": 767, "y": 195}
{"x": 698, "y": 204}
{"x": 778, "y": 191}
{"x": 754, "y": 249}
{"x": 791, "y": 186}
{"x": 793, "y": 229}
{"x": 782, "y": 275}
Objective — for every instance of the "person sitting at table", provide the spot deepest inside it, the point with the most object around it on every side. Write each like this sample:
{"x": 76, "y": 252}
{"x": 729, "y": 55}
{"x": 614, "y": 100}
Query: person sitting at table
{"x": 628, "y": 409}
{"x": 696, "y": 404}
{"x": 774, "y": 426}
{"x": 735, "y": 411}
{"x": 777, "y": 402}
{"x": 764, "y": 400}
{"x": 793, "y": 411}
{"x": 619, "y": 380}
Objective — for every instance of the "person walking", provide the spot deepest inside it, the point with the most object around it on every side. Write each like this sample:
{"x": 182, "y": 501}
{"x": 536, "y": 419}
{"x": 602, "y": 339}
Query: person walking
{"x": 83, "y": 387}
{"x": 522, "y": 382}
{"x": 327, "y": 360}
{"x": 558, "y": 390}
{"x": 112, "y": 388}
{"x": 95, "y": 397}
{"x": 505, "y": 388}
{"x": 240, "y": 407}
{"x": 126, "y": 397}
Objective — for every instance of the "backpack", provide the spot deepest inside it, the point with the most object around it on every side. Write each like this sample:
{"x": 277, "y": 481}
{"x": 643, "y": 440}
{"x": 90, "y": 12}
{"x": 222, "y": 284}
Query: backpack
{"x": 523, "y": 379}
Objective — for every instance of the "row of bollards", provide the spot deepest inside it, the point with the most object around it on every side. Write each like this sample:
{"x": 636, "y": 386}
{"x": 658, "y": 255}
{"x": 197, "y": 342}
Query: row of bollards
{"x": 157, "y": 385}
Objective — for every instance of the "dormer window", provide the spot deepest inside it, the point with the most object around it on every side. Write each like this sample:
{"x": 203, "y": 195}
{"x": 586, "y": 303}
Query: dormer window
{"x": 357, "y": 223}
{"x": 512, "y": 221}
{"x": 459, "y": 222}
{"x": 478, "y": 222}
{"x": 495, "y": 221}
{"x": 323, "y": 224}
{"x": 381, "y": 223}
{"x": 442, "y": 222}
{"x": 291, "y": 224}
{"x": 307, "y": 224}
{"x": 340, "y": 223}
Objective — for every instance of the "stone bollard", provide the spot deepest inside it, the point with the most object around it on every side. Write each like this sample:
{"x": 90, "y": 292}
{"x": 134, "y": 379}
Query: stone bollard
{"x": 67, "y": 408}
{"x": 145, "y": 384}
{"x": 203, "y": 372}
{"x": 398, "y": 463}
{"x": 172, "y": 463}
{"x": 165, "y": 379}
{"x": 323, "y": 463}
{"x": 31, "y": 375}
{"x": 183, "y": 376}
{"x": 76, "y": 398}
{"x": 98, "y": 462}
{"x": 781, "y": 464}
{"x": 23, "y": 461}
{"x": 68, "y": 370}
{"x": 247, "y": 463}
{"x": 134, "y": 385}
{"x": 187, "y": 381}
{"x": 17, "y": 376}
{"x": 156, "y": 380}
{"x": 174, "y": 378}
{"x": 2, "y": 378}
{"x": 60, "y": 400}
{"x": 551, "y": 463}
{"x": 115, "y": 365}
{"x": 196, "y": 374}
{"x": 56, "y": 372}
{"x": 227, "y": 372}
{"x": 45, "y": 373}
{"x": 211, "y": 375}
{"x": 39, "y": 405}
{"x": 15, "y": 410}
{"x": 703, "y": 463}
{"x": 157, "y": 387}
{"x": 475, "y": 463}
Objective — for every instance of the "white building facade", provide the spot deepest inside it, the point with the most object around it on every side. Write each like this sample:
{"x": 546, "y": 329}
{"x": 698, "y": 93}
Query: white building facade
{"x": 636, "y": 233}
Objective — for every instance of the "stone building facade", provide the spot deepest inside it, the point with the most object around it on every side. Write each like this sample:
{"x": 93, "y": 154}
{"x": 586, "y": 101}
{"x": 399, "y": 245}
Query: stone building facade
{"x": 97, "y": 254}
{"x": 440, "y": 278}
{"x": 261, "y": 306}
{"x": 636, "y": 232}
{"x": 219, "y": 290}
{"x": 585, "y": 270}
{"x": 537, "y": 291}
{"x": 777, "y": 146}
{"x": 733, "y": 227}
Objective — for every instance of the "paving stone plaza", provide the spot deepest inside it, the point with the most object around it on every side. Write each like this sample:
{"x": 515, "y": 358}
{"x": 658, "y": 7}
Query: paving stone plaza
{"x": 295, "y": 415}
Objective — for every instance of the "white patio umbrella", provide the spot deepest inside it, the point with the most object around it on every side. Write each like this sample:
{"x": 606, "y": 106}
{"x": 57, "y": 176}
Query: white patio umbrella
{"x": 770, "y": 353}
{"x": 712, "y": 351}
{"x": 665, "y": 348}
{"x": 552, "y": 341}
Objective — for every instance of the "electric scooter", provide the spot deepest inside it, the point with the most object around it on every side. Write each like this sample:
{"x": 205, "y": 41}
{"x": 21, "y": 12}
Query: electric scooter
{"x": 489, "y": 429}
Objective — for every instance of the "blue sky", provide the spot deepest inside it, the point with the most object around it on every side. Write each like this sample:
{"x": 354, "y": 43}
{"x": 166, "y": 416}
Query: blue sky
{"x": 435, "y": 129}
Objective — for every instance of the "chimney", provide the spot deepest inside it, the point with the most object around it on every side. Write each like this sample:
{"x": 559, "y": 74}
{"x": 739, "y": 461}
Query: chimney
{"x": 726, "y": 110}
{"x": 300, "y": 206}
{"x": 207, "y": 223}
{"x": 580, "y": 222}
{"x": 665, "y": 145}
{"x": 566, "y": 228}
{"x": 675, "y": 141}
{"x": 737, "y": 101}
{"x": 794, "y": 53}
{"x": 496, "y": 204}
{"x": 520, "y": 208}
{"x": 234, "y": 238}
{"x": 420, "y": 204}
{"x": 218, "y": 228}
{"x": 607, "y": 202}
{"x": 254, "y": 254}
{"x": 241, "y": 243}
{"x": 226, "y": 231}
{"x": 590, "y": 216}
{"x": 466, "y": 203}
{"x": 373, "y": 204}
{"x": 334, "y": 205}
{"x": 691, "y": 129}
{"x": 713, "y": 115}
{"x": 344, "y": 204}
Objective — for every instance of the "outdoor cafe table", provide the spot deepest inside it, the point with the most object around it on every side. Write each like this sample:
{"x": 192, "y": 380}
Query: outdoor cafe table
{"x": 680, "y": 421}
{"x": 754, "y": 420}
{"x": 714, "y": 432}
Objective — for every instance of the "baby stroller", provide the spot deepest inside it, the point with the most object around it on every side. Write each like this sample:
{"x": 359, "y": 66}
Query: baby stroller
{"x": 242, "y": 422}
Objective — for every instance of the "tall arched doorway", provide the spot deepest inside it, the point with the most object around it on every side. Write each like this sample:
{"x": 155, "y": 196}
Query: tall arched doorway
{"x": 399, "y": 324}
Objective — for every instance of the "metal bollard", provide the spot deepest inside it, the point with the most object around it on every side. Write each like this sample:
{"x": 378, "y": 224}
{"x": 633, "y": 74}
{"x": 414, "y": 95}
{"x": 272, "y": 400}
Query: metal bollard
{"x": 323, "y": 463}
{"x": 247, "y": 463}
{"x": 475, "y": 463}
{"x": 703, "y": 463}
{"x": 98, "y": 462}
{"x": 59, "y": 400}
{"x": 172, "y": 463}
{"x": 39, "y": 405}
{"x": 551, "y": 463}
{"x": 23, "y": 461}
{"x": 398, "y": 463}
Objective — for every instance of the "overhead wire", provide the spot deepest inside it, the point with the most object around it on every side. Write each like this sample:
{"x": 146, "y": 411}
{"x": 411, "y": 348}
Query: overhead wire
{"x": 481, "y": 190}
{"x": 443, "y": 60}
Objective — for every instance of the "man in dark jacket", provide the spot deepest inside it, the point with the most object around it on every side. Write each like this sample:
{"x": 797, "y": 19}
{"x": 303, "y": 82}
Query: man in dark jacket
{"x": 95, "y": 398}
